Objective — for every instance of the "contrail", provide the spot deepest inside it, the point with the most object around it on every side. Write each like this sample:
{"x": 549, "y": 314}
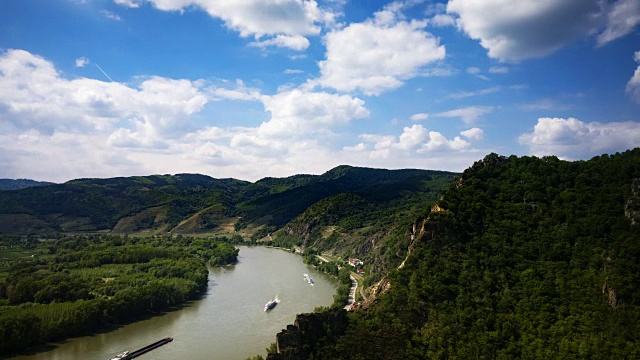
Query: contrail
{"x": 105, "y": 74}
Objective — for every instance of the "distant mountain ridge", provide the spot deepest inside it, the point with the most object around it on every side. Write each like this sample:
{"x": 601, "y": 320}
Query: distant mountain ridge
{"x": 188, "y": 203}
{"x": 16, "y": 184}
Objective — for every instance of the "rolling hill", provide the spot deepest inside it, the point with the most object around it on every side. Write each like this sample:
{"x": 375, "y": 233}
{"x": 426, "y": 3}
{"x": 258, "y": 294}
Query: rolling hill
{"x": 16, "y": 184}
{"x": 190, "y": 203}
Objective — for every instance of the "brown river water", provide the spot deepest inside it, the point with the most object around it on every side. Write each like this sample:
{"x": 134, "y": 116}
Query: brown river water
{"x": 229, "y": 323}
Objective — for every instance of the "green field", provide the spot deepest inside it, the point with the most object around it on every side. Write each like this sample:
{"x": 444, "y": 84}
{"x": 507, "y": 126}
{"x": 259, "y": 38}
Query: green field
{"x": 11, "y": 254}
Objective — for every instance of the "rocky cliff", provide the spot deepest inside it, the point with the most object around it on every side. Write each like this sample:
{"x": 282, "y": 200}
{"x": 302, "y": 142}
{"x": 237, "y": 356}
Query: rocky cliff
{"x": 296, "y": 341}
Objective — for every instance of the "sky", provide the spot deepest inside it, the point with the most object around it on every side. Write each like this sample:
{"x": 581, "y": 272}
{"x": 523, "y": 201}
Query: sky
{"x": 249, "y": 89}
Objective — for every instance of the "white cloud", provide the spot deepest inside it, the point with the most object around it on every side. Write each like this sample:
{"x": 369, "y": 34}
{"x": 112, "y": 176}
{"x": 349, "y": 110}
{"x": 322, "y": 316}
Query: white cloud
{"x": 411, "y": 137}
{"x": 573, "y": 139}
{"x": 239, "y": 92}
{"x": 129, "y": 3}
{"x": 110, "y": 15}
{"x": 438, "y": 142}
{"x": 414, "y": 140}
{"x": 419, "y": 116}
{"x": 297, "y": 43}
{"x": 498, "y": 69}
{"x": 286, "y": 21}
{"x": 633, "y": 86}
{"x": 49, "y": 103}
{"x": 473, "y": 70}
{"x": 379, "y": 54}
{"x": 435, "y": 8}
{"x": 298, "y": 113}
{"x": 623, "y": 17}
{"x": 517, "y": 30}
{"x": 441, "y": 20}
{"x": 293, "y": 71}
{"x": 162, "y": 125}
{"x": 465, "y": 94}
{"x": 437, "y": 71}
{"x": 82, "y": 62}
{"x": 473, "y": 134}
{"x": 467, "y": 114}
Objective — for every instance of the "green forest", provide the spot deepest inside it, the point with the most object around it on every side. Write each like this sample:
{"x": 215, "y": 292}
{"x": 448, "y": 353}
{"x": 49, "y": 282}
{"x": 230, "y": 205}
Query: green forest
{"x": 77, "y": 285}
{"x": 522, "y": 258}
{"x": 525, "y": 258}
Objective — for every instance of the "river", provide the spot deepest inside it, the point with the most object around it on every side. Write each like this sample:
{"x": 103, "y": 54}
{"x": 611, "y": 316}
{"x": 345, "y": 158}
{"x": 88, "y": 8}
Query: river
{"x": 228, "y": 323}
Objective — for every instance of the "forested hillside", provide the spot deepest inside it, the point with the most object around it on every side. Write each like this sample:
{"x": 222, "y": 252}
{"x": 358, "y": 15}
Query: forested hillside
{"x": 369, "y": 222}
{"x": 532, "y": 258}
{"x": 11, "y": 184}
{"x": 192, "y": 203}
{"x": 98, "y": 204}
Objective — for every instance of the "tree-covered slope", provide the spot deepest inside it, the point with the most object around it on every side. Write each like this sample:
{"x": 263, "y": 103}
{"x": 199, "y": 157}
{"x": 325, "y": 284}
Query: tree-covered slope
{"x": 367, "y": 221}
{"x": 102, "y": 202}
{"x": 16, "y": 184}
{"x": 191, "y": 203}
{"x": 522, "y": 258}
{"x": 277, "y": 209}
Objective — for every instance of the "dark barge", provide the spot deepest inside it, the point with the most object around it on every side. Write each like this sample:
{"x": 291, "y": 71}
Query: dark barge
{"x": 134, "y": 354}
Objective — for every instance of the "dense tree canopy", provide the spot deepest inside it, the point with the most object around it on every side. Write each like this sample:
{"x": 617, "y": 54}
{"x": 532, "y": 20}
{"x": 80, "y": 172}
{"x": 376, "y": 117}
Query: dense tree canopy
{"x": 531, "y": 258}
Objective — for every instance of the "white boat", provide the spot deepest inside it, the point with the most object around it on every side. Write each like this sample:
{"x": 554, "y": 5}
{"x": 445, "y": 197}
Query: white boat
{"x": 121, "y": 356}
{"x": 308, "y": 278}
{"x": 270, "y": 305}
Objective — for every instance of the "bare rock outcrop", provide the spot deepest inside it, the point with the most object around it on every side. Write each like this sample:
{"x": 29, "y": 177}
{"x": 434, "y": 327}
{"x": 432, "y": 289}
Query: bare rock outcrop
{"x": 632, "y": 206}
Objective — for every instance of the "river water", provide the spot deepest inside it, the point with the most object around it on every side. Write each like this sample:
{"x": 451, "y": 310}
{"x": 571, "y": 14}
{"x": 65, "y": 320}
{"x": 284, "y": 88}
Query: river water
{"x": 228, "y": 323}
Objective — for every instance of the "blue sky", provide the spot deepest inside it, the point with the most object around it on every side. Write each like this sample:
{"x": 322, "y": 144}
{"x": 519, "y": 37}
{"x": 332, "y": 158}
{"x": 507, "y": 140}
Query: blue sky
{"x": 255, "y": 88}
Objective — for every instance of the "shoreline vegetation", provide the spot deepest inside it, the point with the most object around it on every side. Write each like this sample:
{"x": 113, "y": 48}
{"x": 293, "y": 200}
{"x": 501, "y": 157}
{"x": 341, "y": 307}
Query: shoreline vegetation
{"x": 79, "y": 285}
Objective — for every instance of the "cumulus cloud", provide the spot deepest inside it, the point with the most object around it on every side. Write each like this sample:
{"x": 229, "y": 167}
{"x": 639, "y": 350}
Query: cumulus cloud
{"x": 473, "y": 134}
{"x": 442, "y": 20}
{"x": 633, "y": 86}
{"x": 151, "y": 127}
{"x": 623, "y": 17}
{"x": 297, "y": 112}
{"x": 413, "y": 140}
{"x": 48, "y": 102}
{"x": 239, "y": 92}
{"x": 129, "y": 3}
{"x": 298, "y": 43}
{"x": 285, "y": 21}
{"x": 54, "y": 128}
{"x": 419, "y": 116}
{"x": 467, "y": 114}
{"x": 378, "y": 54}
{"x": 574, "y": 139}
{"x": 514, "y": 31}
